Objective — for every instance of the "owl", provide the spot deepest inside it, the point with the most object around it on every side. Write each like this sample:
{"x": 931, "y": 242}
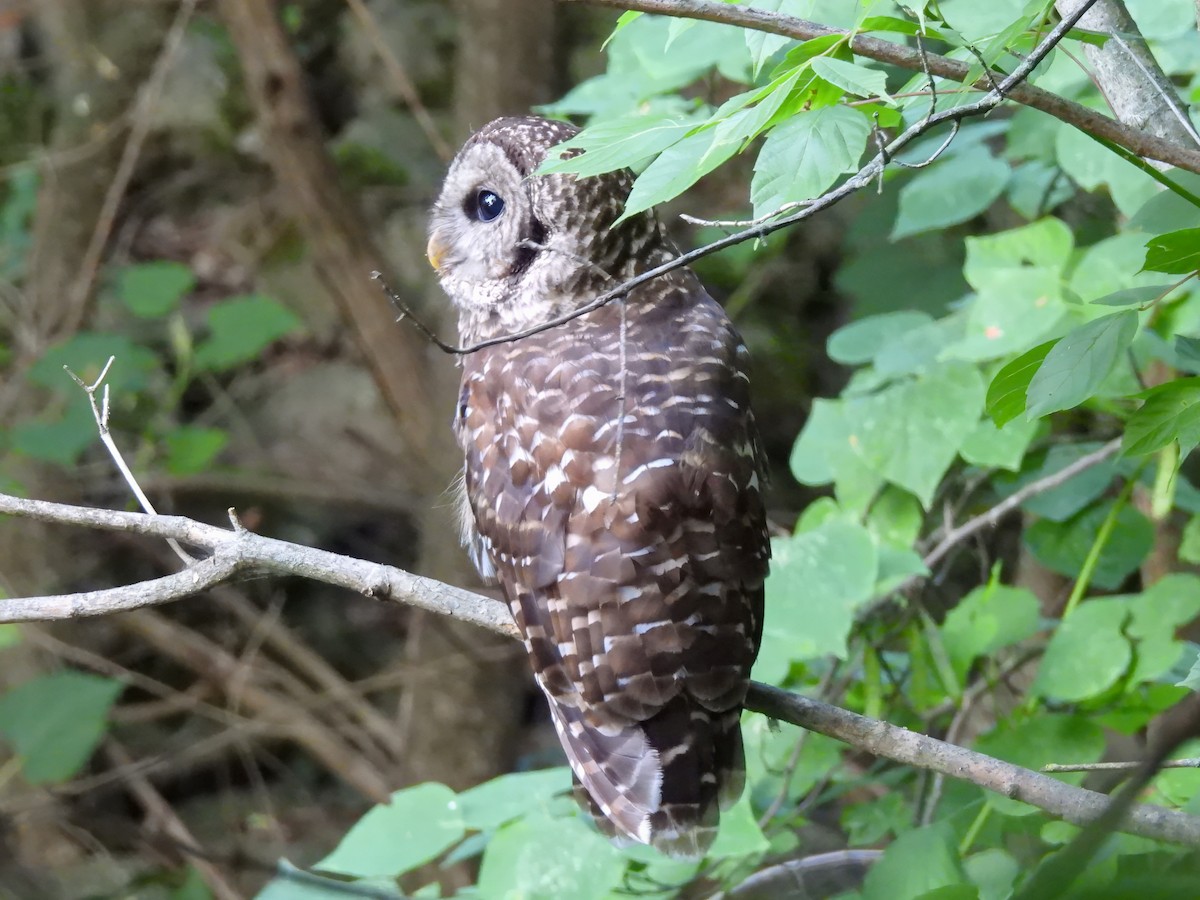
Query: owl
{"x": 613, "y": 479}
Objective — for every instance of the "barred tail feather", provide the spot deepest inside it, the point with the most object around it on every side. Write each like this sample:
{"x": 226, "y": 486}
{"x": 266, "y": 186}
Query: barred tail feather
{"x": 662, "y": 781}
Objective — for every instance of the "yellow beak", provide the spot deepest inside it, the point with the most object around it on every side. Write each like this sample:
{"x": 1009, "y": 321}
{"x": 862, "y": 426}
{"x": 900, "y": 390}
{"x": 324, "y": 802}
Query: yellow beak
{"x": 435, "y": 251}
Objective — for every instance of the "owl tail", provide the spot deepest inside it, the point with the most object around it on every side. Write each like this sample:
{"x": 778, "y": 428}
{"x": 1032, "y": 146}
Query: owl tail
{"x": 661, "y": 782}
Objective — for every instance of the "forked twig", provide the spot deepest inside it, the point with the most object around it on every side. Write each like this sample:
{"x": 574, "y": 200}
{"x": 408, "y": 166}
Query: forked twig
{"x": 100, "y": 414}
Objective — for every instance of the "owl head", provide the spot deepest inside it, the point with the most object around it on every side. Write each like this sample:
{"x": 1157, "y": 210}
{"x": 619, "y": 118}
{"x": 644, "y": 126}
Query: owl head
{"x": 513, "y": 249}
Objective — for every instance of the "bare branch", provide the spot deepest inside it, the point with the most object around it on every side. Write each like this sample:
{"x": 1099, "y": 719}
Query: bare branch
{"x": 1008, "y": 504}
{"x": 243, "y": 550}
{"x": 1064, "y": 801}
{"x": 1193, "y": 763}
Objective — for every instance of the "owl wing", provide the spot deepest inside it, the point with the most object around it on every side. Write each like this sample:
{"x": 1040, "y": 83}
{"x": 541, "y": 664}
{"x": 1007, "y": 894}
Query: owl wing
{"x": 632, "y": 548}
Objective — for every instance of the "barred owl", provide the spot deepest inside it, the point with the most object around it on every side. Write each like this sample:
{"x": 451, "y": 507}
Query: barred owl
{"x": 612, "y": 480}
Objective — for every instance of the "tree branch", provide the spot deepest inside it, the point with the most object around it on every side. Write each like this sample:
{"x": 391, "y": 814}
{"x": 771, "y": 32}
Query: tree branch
{"x": 891, "y": 53}
{"x": 235, "y": 551}
{"x": 250, "y": 553}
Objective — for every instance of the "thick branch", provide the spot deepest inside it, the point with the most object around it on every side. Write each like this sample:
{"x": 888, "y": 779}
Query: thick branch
{"x": 252, "y": 552}
{"x": 255, "y": 553}
{"x": 1062, "y": 800}
{"x": 1086, "y": 120}
{"x": 1128, "y": 75}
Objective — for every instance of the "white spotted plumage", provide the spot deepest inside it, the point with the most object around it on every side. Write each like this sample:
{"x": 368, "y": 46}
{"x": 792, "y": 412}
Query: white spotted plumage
{"x": 612, "y": 477}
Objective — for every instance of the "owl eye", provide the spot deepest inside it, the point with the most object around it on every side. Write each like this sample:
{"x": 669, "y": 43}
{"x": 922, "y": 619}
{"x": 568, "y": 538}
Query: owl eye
{"x": 487, "y": 206}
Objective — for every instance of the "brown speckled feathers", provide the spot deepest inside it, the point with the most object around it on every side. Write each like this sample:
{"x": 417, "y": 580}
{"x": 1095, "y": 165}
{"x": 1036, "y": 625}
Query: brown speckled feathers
{"x": 612, "y": 475}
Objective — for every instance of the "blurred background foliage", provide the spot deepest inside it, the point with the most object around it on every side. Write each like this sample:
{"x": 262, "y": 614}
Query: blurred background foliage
{"x": 201, "y": 191}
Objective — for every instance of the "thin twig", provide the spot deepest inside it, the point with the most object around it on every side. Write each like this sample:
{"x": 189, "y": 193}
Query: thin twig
{"x": 1193, "y": 763}
{"x": 100, "y": 414}
{"x": 1008, "y": 504}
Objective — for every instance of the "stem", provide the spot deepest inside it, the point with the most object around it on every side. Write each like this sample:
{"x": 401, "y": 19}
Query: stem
{"x": 976, "y": 827}
{"x": 1102, "y": 537}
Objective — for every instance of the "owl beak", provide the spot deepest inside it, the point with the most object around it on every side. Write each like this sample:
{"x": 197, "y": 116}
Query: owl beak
{"x": 435, "y": 251}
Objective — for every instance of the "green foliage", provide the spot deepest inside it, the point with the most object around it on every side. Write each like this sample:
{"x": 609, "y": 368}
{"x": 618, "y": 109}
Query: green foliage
{"x": 240, "y": 328}
{"x": 151, "y": 290}
{"x": 419, "y": 824}
{"x": 54, "y": 722}
{"x": 148, "y": 373}
{"x": 534, "y": 843}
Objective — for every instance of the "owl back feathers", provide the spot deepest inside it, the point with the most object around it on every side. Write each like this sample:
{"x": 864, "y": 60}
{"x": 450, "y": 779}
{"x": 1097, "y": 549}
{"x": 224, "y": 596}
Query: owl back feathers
{"x": 612, "y": 475}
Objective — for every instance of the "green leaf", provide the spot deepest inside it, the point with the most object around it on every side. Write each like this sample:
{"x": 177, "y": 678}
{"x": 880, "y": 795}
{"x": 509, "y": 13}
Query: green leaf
{"x": 918, "y": 861}
{"x": 911, "y": 432}
{"x": 987, "y": 619}
{"x": 1158, "y": 612}
{"x": 1016, "y": 308}
{"x": 54, "y": 722}
{"x": 739, "y": 834}
{"x": 283, "y": 887}
{"x": 853, "y": 78}
{"x": 540, "y": 858}
{"x": 190, "y": 448}
{"x": 1187, "y": 351}
{"x": 897, "y": 26}
{"x": 677, "y": 168}
{"x": 1189, "y": 544}
{"x": 1078, "y": 362}
{"x": 618, "y": 143}
{"x": 1090, "y": 165}
{"x": 823, "y": 453}
{"x": 870, "y": 822}
{"x": 1192, "y": 681}
{"x": 1006, "y": 395}
{"x": 994, "y": 871}
{"x": 994, "y": 447}
{"x": 502, "y": 799}
{"x": 86, "y": 354}
{"x": 419, "y": 824}
{"x": 858, "y": 342}
{"x": 59, "y": 440}
{"x": 1048, "y": 738}
{"x": 895, "y": 517}
{"x": 950, "y": 192}
{"x": 1135, "y": 296}
{"x": 1045, "y": 244}
{"x": 153, "y": 289}
{"x": 1171, "y": 412}
{"x": 240, "y": 328}
{"x": 1063, "y": 546}
{"x": 804, "y": 156}
{"x": 1088, "y": 653}
{"x": 818, "y": 578}
{"x": 1175, "y": 253}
